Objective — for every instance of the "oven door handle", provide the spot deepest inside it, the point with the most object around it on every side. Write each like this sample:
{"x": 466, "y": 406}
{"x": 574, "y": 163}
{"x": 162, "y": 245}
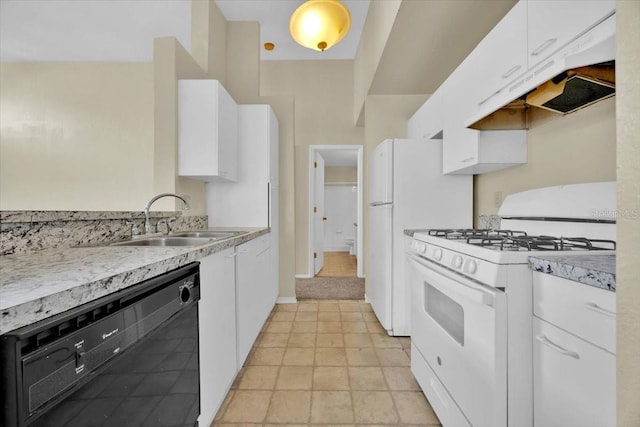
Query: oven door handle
{"x": 462, "y": 286}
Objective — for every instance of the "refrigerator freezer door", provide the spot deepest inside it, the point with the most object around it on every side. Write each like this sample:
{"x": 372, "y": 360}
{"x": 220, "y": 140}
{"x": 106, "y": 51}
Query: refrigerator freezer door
{"x": 380, "y": 262}
{"x": 381, "y": 174}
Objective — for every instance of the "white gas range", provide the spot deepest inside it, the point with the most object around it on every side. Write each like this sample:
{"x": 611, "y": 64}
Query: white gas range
{"x": 471, "y": 296}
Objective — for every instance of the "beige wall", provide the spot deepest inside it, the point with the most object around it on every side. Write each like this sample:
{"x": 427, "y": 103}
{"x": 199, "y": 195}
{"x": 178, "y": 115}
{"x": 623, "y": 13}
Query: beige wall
{"x": 628, "y": 219}
{"x": 380, "y": 18}
{"x": 209, "y": 39}
{"x": 323, "y": 102}
{"x": 579, "y": 147}
{"x": 172, "y": 62}
{"x": 340, "y": 175}
{"x": 76, "y": 136}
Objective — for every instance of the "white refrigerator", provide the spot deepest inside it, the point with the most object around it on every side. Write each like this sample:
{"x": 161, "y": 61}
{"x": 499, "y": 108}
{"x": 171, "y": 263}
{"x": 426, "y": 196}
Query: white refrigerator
{"x": 407, "y": 190}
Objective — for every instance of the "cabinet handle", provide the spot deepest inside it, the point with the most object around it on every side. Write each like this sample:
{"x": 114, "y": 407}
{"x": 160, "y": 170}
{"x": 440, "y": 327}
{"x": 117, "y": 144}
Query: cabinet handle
{"x": 546, "y": 341}
{"x": 511, "y": 71}
{"x": 543, "y": 46}
{"x": 468, "y": 159}
{"x": 233, "y": 255}
{"x": 242, "y": 251}
{"x": 595, "y": 307}
{"x": 436, "y": 390}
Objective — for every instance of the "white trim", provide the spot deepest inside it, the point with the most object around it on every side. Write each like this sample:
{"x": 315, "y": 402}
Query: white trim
{"x": 360, "y": 190}
{"x": 304, "y": 276}
{"x": 286, "y": 300}
{"x": 366, "y": 299}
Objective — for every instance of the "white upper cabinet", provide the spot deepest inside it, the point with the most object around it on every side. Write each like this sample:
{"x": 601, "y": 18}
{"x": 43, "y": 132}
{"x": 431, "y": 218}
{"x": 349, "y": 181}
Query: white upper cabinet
{"x": 551, "y": 24}
{"x": 207, "y": 131}
{"x": 427, "y": 122}
{"x": 502, "y": 54}
{"x": 469, "y": 151}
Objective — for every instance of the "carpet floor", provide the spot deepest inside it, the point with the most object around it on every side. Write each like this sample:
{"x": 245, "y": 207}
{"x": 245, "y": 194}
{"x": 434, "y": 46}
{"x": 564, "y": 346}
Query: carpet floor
{"x": 330, "y": 288}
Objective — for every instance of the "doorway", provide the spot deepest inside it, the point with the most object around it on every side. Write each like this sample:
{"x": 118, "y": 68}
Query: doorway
{"x": 335, "y": 211}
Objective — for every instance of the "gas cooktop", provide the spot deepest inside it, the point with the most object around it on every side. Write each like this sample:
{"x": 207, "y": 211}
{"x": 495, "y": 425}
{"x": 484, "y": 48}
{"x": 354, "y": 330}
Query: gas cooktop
{"x": 513, "y": 240}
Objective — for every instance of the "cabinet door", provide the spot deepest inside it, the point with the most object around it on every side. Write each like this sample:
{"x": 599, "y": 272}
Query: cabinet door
{"x": 274, "y": 150}
{"x": 574, "y": 381}
{"x": 207, "y": 131}
{"x": 551, "y": 24}
{"x": 427, "y": 121}
{"x": 246, "y": 316}
{"x": 217, "y": 323}
{"x": 502, "y": 54}
{"x": 459, "y": 148}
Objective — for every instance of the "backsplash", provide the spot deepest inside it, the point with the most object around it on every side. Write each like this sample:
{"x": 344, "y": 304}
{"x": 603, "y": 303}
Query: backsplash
{"x": 23, "y": 232}
{"x": 489, "y": 222}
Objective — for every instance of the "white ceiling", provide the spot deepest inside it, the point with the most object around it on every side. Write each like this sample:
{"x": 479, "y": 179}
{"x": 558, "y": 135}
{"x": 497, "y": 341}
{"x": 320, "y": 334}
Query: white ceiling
{"x": 274, "y": 15}
{"x": 339, "y": 157}
{"x": 123, "y": 30}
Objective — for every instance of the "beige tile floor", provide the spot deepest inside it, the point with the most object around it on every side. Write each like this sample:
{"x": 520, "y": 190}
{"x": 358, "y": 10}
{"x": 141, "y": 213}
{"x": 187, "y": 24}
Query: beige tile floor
{"x": 326, "y": 363}
{"x": 338, "y": 264}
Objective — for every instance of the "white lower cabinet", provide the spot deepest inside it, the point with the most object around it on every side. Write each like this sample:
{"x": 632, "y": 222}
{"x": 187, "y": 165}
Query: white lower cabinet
{"x": 574, "y": 364}
{"x": 217, "y": 323}
{"x": 255, "y": 297}
{"x": 574, "y": 381}
{"x": 236, "y": 297}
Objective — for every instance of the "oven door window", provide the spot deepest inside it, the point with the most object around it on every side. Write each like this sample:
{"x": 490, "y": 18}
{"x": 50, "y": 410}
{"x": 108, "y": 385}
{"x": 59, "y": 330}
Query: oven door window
{"x": 445, "y": 311}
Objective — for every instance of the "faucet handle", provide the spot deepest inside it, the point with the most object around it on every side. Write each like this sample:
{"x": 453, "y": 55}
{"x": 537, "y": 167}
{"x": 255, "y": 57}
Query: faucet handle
{"x": 170, "y": 222}
{"x": 134, "y": 229}
{"x": 162, "y": 221}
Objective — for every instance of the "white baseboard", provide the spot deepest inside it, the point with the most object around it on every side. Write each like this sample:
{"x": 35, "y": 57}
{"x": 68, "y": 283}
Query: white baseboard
{"x": 286, "y": 300}
{"x": 303, "y": 276}
{"x": 366, "y": 299}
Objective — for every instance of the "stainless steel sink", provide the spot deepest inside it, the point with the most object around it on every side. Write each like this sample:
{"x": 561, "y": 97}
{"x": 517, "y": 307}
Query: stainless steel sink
{"x": 211, "y": 234}
{"x": 166, "y": 241}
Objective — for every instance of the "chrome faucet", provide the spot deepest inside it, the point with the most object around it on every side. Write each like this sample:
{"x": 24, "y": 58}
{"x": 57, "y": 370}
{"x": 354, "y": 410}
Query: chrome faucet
{"x": 147, "y": 222}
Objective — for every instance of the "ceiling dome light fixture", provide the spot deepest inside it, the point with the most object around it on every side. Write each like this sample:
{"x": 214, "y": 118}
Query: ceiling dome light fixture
{"x": 320, "y": 24}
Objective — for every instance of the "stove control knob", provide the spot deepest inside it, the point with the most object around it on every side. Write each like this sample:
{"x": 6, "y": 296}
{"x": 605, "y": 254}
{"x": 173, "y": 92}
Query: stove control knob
{"x": 414, "y": 245}
{"x": 456, "y": 262}
{"x": 422, "y": 249}
{"x": 471, "y": 266}
{"x": 437, "y": 254}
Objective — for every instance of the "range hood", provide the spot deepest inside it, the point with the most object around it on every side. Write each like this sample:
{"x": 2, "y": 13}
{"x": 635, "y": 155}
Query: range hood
{"x": 575, "y": 89}
{"x": 578, "y": 75}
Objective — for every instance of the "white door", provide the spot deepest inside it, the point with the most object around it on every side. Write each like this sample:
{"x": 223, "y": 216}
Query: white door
{"x": 318, "y": 213}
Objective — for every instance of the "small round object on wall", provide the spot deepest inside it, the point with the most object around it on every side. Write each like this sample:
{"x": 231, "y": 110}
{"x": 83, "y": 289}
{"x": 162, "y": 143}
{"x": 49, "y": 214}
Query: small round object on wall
{"x": 269, "y": 46}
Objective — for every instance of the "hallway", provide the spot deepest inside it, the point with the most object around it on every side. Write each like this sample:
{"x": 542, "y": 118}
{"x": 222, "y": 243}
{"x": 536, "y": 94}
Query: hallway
{"x": 326, "y": 362}
{"x": 338, "y": 264}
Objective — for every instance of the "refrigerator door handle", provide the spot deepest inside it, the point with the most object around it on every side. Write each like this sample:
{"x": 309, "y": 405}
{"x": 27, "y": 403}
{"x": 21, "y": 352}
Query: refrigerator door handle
{"x": 379, "y": 203}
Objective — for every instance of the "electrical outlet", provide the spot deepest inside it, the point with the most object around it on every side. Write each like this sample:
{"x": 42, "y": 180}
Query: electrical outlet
{"x": 497, "y": 199}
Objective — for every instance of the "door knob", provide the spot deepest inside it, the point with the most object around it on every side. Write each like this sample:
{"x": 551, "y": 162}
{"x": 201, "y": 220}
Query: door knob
{"x": 324, "y": 218}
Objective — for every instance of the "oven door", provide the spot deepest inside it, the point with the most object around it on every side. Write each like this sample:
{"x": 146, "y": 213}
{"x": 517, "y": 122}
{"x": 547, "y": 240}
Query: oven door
{"x": 459, "y": 327}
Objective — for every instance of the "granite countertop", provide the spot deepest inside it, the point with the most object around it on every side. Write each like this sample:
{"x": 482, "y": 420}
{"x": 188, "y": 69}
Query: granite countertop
{"x": 593, "y": 270}
{"x": 39, "y": 285}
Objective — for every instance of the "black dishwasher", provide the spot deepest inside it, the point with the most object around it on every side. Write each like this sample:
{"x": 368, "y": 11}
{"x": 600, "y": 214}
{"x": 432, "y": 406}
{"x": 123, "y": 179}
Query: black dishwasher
{"x": 126, "y": 359}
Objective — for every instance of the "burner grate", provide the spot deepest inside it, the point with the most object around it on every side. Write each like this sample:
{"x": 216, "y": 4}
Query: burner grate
{"x": 513, "y": 240}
